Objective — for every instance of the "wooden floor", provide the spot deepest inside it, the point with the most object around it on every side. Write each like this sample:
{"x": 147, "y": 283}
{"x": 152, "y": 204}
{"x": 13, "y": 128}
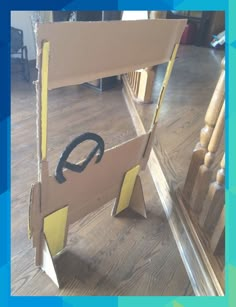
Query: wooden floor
{"x": 109, "y": 256}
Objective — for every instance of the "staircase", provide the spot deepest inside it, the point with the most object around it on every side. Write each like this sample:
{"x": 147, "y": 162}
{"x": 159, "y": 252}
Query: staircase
{"x": 195, "y": 211}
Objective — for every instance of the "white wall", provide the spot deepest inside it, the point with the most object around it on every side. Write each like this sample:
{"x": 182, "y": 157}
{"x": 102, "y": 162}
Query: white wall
{"x": 134, "y": 15}
{"x": 22, "y": 20}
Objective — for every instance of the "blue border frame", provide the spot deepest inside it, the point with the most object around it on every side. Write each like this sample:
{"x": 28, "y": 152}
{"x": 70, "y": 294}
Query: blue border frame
{"x": 5, "y": 7}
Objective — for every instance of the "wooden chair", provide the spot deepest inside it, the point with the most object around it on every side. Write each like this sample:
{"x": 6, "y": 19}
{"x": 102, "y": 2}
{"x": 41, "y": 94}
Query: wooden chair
{"x": 19, "y": 49}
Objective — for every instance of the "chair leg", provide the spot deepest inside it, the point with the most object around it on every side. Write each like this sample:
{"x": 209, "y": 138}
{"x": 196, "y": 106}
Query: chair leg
{"x": 25, "y": 63}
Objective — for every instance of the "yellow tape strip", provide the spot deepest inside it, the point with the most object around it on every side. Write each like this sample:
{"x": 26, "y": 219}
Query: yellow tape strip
{"x": 54, "y": 228}
{"x": 127, "y": 189}
{"x": 165, "y": 82}
{"x": 44, "y": 98}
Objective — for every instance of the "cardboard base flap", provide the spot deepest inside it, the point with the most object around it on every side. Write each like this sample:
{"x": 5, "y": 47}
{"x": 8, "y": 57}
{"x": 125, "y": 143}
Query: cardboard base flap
{"x": 131, "y": 194}
{"x": 137, "y": 202}
{"x": 48, "y": 265}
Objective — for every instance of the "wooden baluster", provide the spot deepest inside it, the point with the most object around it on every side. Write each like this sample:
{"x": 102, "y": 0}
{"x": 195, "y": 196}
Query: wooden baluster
{"x": 214, "y": 201}
{"x": 136, "y": 83}
{"x": 135, "y": 77}
{"x": 128, "y": 77}
{"x": 131, "y": 76}
{"x": 204, "y": 175}
{"x": 218, "y": 237}
{"x": 132, "y": 81}
{"x": 201, "y": 148}
{"x": 146, "y": 84}
{"x": 157, "y": 14}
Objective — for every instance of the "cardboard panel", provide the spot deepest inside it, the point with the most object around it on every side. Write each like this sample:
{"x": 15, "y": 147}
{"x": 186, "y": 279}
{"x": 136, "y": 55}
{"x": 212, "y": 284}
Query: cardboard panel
{"x": 126, "y": 189}
{"x": 85, "y": 51}
{"x": 34, "y": 221}
{"x": 44, "y": 99}
{"x": 81, "y": 52}
{"x": 97, "y": 184}
{"x": 54, "y": 228}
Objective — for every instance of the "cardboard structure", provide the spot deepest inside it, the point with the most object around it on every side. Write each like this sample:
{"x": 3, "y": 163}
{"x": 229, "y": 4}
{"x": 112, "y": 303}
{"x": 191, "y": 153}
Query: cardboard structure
{"x": 67, "y": 55}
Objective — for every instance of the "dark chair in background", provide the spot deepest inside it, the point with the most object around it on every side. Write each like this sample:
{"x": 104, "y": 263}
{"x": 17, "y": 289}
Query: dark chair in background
{"x": 19, "y": 52}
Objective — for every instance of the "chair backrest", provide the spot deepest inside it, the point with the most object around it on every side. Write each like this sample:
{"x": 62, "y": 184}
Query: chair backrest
{"x": 16, "y": 40}
{"x": 85, "y": 51}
